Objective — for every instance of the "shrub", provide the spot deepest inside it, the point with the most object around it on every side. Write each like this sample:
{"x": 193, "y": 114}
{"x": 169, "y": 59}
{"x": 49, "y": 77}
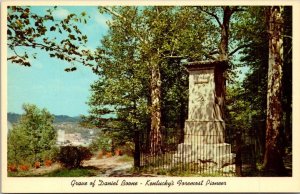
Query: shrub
{"x": 37, "y": 164}
{"x": 108, "y": 155}
{"x": 118, "y": 152}
{"x": 48, "y": 163}
{"x": 24, "y": 167}
{"x": 73, "y": 156}
{"x": 26, "y": 145}
{"x": 100, "y": 155}
{"x": 12, "y": 168}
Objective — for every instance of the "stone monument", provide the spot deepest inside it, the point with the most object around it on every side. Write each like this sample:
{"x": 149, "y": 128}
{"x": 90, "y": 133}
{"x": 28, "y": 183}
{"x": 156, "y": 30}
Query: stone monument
{"x": 204, "y": 128}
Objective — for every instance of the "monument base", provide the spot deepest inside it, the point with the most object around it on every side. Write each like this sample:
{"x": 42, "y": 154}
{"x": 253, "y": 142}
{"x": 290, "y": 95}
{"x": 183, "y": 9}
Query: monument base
{"x": 204, "y": 143}
{"x": 219, "y": 154}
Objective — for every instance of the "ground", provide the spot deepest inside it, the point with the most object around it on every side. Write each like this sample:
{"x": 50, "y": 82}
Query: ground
{"x": 116, "y": 166}
{"x": 110, "y": 166}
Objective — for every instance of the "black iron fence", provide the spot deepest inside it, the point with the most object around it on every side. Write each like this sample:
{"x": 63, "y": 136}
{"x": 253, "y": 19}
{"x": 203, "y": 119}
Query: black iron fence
{"x": 212, "y": 154}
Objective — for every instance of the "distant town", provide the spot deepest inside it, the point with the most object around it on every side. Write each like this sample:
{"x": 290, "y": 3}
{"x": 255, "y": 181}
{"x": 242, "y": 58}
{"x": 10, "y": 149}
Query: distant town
{"x": 69, "y": 132}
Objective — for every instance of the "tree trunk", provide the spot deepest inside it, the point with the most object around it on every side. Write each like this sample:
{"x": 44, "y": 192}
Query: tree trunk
{"x": 273, "y": 158}
{"x": 288, "y": 118}
{"x": 227, "y": 12}
{"x": 155, "y": 133}
{"x": 137, "y": 151}
{"x": 287, "y": 75}
{"x": 223, "y": 47}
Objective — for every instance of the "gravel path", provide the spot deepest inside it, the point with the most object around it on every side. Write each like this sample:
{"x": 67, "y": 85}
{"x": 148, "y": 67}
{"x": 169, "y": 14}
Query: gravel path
{"x": 112, "y": 166}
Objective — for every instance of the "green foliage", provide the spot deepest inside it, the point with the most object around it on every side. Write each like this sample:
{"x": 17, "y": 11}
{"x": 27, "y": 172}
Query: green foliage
{"x": 141, "y": 39}
{"x": 102, "y": 142}
{"x": 247, "y": 100}
{"x": 239, "y": 110}
{"x": 61, "y": 39}
{"x": 18, "y": 146}
{"x": 72, "y": 156}
{"x": 142, "y": 36}
{"x": 33, "y": 138}
{"x": 119, "y": 97}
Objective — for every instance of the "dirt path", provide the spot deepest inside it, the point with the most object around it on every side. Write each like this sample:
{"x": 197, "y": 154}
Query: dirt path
{"x": 116, "y": 166}
{"x": 112, "y": 166}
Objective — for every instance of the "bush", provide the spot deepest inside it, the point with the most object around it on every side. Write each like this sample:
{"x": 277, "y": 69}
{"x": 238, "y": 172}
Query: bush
{"x": 48, "y": 163}
{"x": 100, "y": 155}
{"x": 37, "y": 164}
{"x": 32, "y": 138}
{"x": 108, "y": 155}
{"x": 24, "y": 167}
{"x": 73, "y": 156}
{"x": 12, "y": 168}
{"x": 118, "y": 152}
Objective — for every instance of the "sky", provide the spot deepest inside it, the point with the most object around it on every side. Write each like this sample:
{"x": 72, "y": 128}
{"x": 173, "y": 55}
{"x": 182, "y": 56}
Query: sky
{"x": 45, "y": 83}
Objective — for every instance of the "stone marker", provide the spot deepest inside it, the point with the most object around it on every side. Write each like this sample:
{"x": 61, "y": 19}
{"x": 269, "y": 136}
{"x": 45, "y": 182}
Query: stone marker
{"x": 204, "y": 128}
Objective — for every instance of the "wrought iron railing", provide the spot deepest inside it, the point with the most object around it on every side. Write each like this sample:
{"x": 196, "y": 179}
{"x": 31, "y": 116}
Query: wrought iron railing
{"x": 200, "y": 154}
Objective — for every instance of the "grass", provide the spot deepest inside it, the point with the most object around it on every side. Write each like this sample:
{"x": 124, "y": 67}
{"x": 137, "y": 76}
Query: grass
{"x": 62, "y": 172}
{"x": 19, "y": 174}
{"x": 125, "y": 158}
{"x": 78, "y": 172}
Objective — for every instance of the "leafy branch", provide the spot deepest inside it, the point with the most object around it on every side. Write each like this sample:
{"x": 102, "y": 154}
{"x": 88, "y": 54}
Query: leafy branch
{"x": 27, "y": 29}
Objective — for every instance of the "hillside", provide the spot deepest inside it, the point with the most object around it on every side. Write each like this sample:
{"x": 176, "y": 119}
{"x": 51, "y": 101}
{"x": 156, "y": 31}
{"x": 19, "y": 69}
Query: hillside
{"x": 14, "y": 117}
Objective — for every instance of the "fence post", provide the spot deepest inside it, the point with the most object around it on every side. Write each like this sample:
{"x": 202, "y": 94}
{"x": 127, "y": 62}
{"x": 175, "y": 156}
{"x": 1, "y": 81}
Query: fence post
{"x": 137, "y": 152}
{"x": 238, "y": 157}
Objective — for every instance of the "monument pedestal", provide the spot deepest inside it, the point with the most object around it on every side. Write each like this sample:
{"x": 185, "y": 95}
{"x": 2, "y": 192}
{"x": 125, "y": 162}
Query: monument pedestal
{"x": 219, "y": 154}
{"x": 204, "y": 129}
{"x": 203, "y": 143}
